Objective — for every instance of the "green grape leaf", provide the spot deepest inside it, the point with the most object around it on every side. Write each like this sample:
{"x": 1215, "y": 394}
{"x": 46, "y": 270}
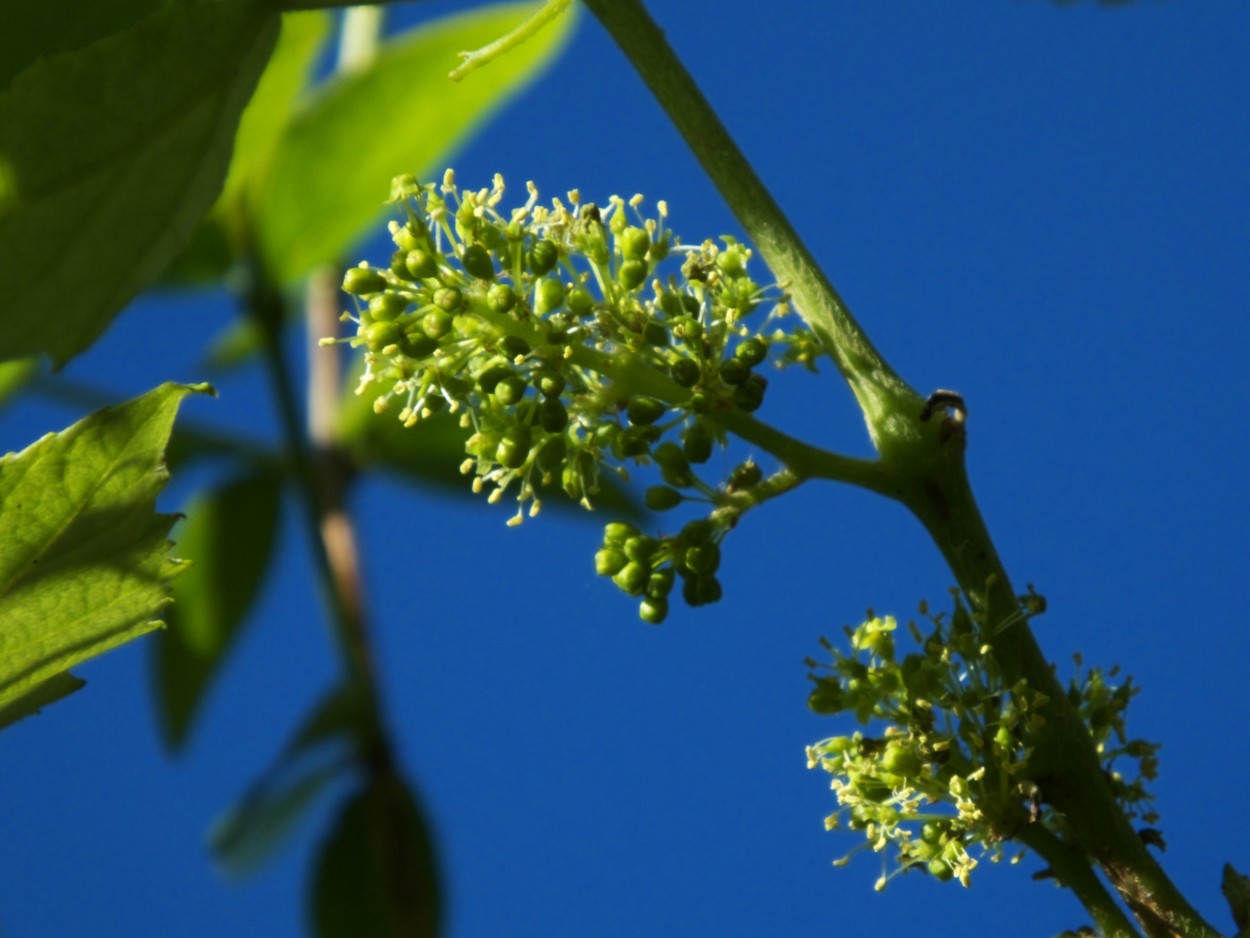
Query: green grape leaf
{"x": 84, "y": 563}
{"x": 109, "y": 155}
{"x": 319, "y": 752}
{"x": 37, "y": 28}
{"x": 398, "y": 115}
{"x": 14, "y": 374}
{"x": 213, "y": 247}
{"x": 376, "y": 874}
{"x": 228, "y": 537}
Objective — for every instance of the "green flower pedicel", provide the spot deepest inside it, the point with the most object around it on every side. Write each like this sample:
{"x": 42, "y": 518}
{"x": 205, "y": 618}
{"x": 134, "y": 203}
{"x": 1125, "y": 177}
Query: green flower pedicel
{"x": 574, "y": 340}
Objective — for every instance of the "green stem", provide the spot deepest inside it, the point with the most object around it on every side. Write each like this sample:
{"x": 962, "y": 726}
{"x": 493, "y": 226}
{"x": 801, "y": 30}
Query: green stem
{"x": 476, "y": 59}
{"x": 881, "y": 393}
{"x": 1070, "y": 869}
{"x": 922, "y": 466}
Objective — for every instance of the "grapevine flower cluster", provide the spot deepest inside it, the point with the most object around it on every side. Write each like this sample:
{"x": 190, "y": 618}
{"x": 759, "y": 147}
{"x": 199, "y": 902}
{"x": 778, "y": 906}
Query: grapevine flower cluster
{"x": 943, "y": 779}
{"x": 574, "y": 340}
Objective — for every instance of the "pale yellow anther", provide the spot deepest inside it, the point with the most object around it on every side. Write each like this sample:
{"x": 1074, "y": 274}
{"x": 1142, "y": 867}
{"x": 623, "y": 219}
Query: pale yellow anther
{"x": 494, "y": 496}
{"x": 379, "y": 404}
{"x": 466, "y": 467}
{"x": 516, "y": 519}
{"x": 449, "y": 180}
{"x": 662, "y": 207}
{"x": 478, "y": 485}
{"x": 574, "y": 196}
{"x": 465, "y": 422}
{"x": 405, "y": 414}
{"x": 636, "y": 200}
{"x": 411, "y": 422}
{"x": 535, "y": 508}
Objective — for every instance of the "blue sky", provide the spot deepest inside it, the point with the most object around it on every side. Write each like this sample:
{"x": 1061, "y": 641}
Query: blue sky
{"x": 1043, "y": 206}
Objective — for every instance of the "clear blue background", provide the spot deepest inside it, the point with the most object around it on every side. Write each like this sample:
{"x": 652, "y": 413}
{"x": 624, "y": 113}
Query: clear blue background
{"x": 1044, "y": 206}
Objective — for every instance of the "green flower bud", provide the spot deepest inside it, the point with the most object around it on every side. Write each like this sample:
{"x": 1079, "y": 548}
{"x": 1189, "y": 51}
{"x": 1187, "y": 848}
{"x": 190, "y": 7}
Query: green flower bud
{"x": 436, "y": 323}
{"x": 448, "y": 298}
{"x": 731, "y": 261}
{"x": 629, "y": 443}
{"x": 378, "y": 335}
{"x": 476, "y": 260}
{"x": 688, "y": 329}
{"x": 654, "y": 333}
{"x": 549, "y": 383}
{"x": 653, "y": 611}
{"x": 697, "y": 442}
{"x": 686, "y": 372}
{"x": 407, "y": 238}
{"x": 514, "y": 346}
{"x": 609, "y": 561}
{"x": 640, "y": 547}
{"x": 660, "y": 583}
{"x": 552, "y": 415}
{"x": 752, "y": 351}
{"x": 632, "y": 274}
{"x": 399, "y": 266}
{"x": 899, "y": 760}
{"x": 749, "y": 395}
{"x": 701, "y": 402}
{"x": 489, "y": 379}
{"x": 699, "y": 531}
{"x": 416, "y": 344}
{"x": 500, "y": 298}
{"x": 701, "y": 590}
{"x": 616, "y": 533}
{"x": 580, "y": 302}
{"x": 421, "y": 264}
{"x": 825, "y": 698}
{"x": 386, "y": 306}
{"x": 514, "y": 448}
{"x": 674, "y": 467}
{"x": 514, "y": 231}
{"x": 671, "y": 303}
{"x": 632, "y": 578}
{"x": 734, "y": 371}
{"x": 704, "y": 558}
{"x": 510, "y": 390}
{"x": 548, "y": 296}
{"x": 634, "y": 242}
{"x": 662, "y": 498}
{"x": 644, "y": 411}
{"x": 542, "y": 257}
{"x": 362, "y": 281}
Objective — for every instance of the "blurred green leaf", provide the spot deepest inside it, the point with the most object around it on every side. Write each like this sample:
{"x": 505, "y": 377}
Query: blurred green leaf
{"x": 14, "y": 374}
{"x": 252, "y": 831}
{"x": 37, "y": 28}
{"x": 109, "y": 155}
{"x": 84, "y": 561}
{"x": 212, "y": 249}
{"x": 321, "y": 750}
{"x": 376, "y": 873}
{"x": 333, "y": 168}
{"x": 228, "y": 537}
